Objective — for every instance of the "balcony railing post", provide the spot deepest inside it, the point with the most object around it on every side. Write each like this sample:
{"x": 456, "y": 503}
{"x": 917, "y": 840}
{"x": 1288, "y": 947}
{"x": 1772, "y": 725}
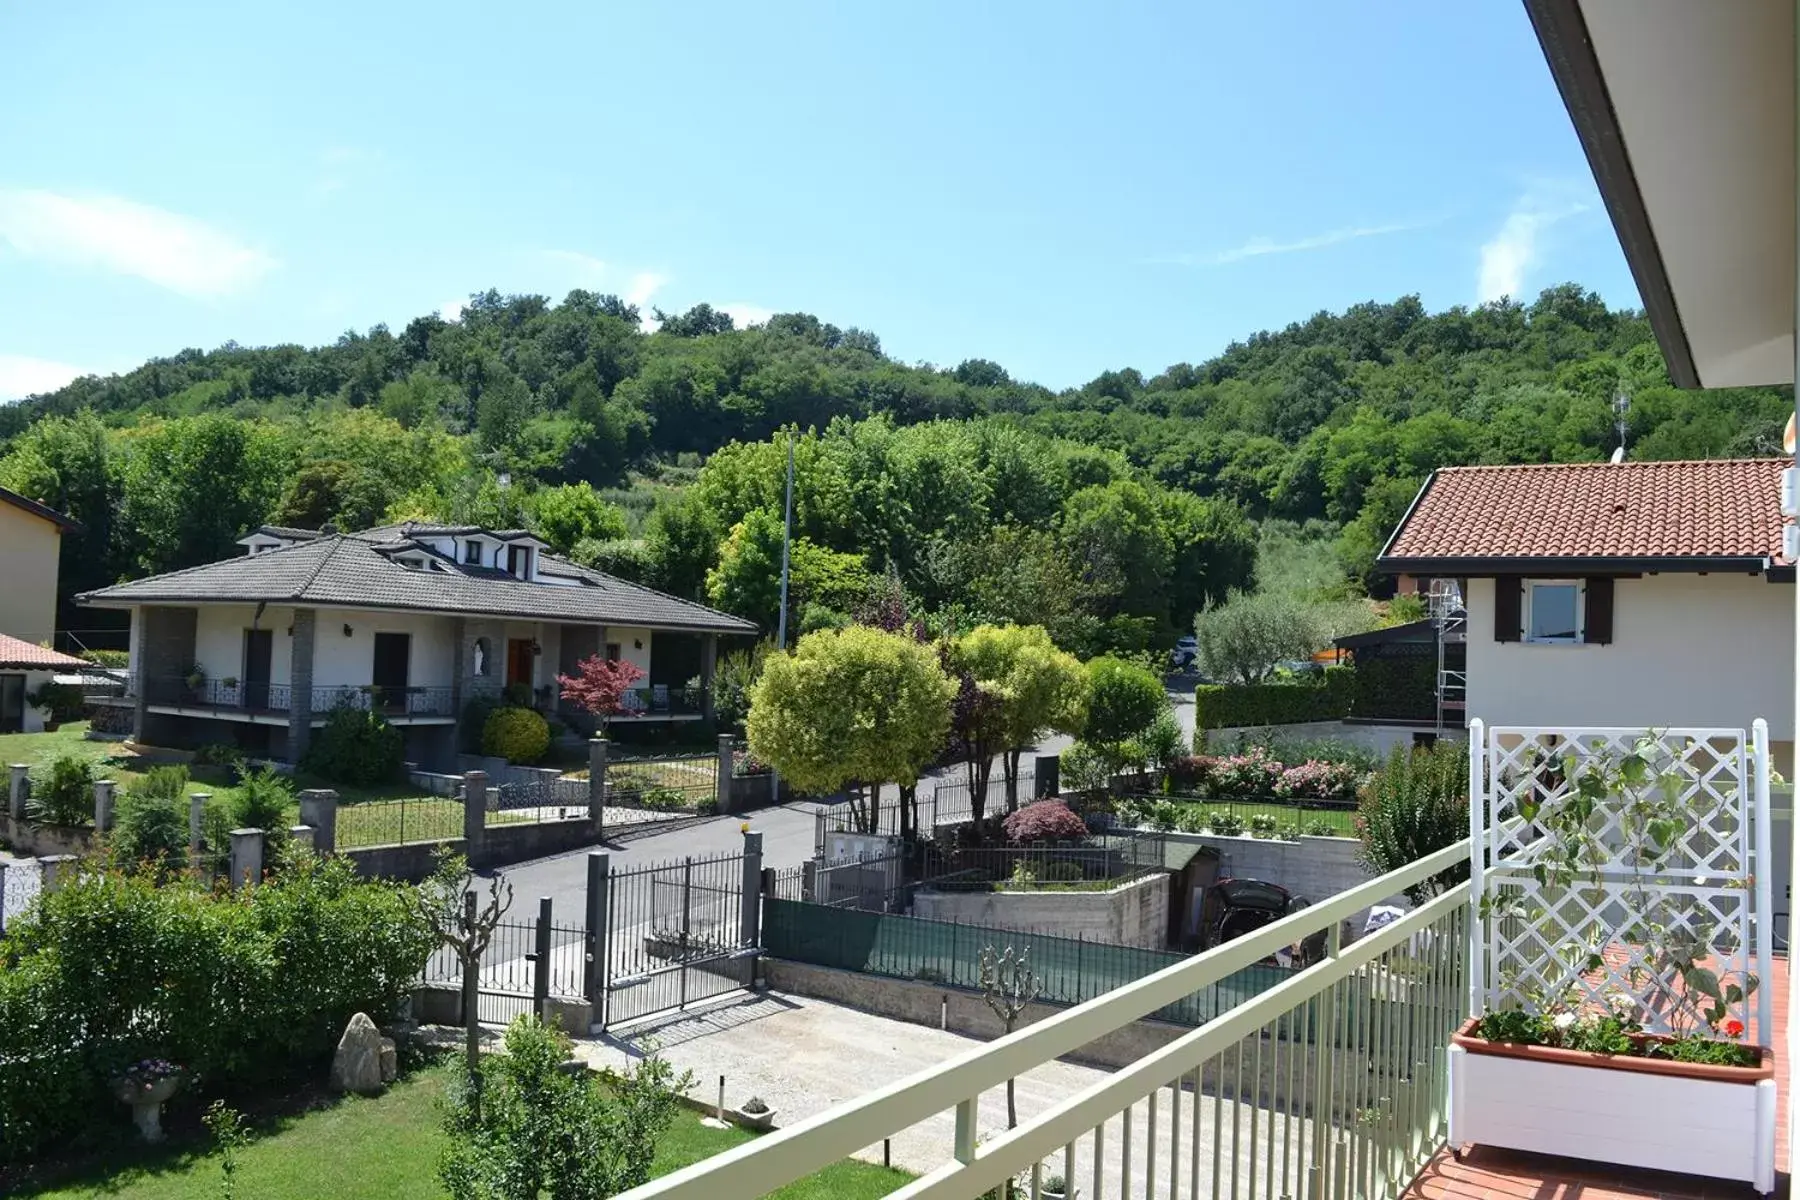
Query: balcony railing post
{"x": 965, "y": 1129}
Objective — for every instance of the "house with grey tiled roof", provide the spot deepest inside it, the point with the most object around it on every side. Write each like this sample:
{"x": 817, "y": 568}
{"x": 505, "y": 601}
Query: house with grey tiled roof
{"x": 1624, "y": 594}
{"x": 417, "y": 619}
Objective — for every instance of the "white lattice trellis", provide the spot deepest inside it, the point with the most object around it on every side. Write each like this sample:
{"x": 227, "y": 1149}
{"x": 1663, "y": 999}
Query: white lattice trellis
{"x": 1591, "y": 935}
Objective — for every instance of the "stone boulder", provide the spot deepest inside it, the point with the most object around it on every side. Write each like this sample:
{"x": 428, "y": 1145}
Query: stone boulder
{"x": 356, "y": 1067}
{"x": 390, "y": 1061}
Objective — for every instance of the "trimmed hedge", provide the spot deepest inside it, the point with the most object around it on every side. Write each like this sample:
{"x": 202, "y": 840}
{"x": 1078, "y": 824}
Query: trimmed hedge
{"x": 1402, "y": 687}
{"x": 1237, "y": 705}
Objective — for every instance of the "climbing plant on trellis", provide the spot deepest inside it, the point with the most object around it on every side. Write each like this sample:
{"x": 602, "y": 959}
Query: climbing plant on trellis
{"x": 1619, "y": 867}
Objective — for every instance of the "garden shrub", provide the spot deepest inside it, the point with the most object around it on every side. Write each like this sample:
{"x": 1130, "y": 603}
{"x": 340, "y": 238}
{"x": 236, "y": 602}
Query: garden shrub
{"x": 516, "y": 695}
{"x": 240, "y": 989}
{"x": 221, "y": 754}
{"x": 265, "y": 801}
{"x": 1044, "y": 821}
{"x": 519, "y": 735}
{"x": 1418, "y": 803}
{"x": 1263, "y": 825}
{"x": 664, "y": 799}
{"x": 108, "y": 658}
{"x": 151, "y": 828}
{"x": 63, "y": 794}
{"x": 1224, "y": 823}
{"x": 475, "y": 714}
{"x": 1161, "y": 741}
{"x": 1062, "y": 872}
{"x": 1327, "y": 697}
{"x": 1082, "y": 769}
{"x": 1323, "y": 829}
{"x": 63, "y": 701}
{"x": 357, "y": 746}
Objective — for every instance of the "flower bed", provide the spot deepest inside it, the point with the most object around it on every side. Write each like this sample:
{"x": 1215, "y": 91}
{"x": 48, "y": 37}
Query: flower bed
{"x": 1258, "y": 775}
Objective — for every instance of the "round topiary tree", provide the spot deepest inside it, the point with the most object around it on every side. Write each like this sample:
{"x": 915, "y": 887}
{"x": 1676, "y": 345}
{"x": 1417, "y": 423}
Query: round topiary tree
{"x": 519, "y": 735}
{"x": 1045, "y": 821}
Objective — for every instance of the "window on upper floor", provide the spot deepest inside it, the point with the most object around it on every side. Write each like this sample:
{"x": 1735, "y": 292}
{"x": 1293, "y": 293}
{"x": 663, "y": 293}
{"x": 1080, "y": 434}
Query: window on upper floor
{"x": 472, "y": 552}
{"x": 518, "y": 560}
{"x": 1553, "y": 610}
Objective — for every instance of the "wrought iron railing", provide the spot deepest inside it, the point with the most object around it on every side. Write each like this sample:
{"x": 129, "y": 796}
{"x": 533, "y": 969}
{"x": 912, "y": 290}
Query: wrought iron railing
{"x": 235, "y": 695}
{"x": 1329, "y": 1084}
{"x": 660, "y": 700}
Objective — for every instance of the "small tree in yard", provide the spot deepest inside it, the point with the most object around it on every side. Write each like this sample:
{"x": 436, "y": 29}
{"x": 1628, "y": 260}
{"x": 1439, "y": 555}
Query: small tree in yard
{"x": 541, "y": 1130}
{"x": 1416, "y": 805}
{"x": 1124, "y": 700}
{"x": 448, "y": 904}
{"x": 599, "y": 686}
{"x": 1008, "y": 984}
{"x": 1244, "y": 638}
{"x": 1034, "y": 688}
{"x": 850, "y": 707}
{"x": 1045, "y": 821}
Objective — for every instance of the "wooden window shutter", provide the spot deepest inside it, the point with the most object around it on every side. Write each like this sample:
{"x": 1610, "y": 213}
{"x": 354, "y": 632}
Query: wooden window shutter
{"x": 1598, "y": 625}
{"x": 1508, "y": 592}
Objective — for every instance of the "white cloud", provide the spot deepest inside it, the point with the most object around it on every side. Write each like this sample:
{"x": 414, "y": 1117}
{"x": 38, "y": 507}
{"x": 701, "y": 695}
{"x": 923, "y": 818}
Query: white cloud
{"x": 452, "y": 310}
{"x": 1515, "y": 248}
{"x": 114, "y": 234}
{"x": 1257, "y": 247}
{"x": 22, "y": 376}
{"x": 644, "y": 285}
{"x": 744, "y": 315}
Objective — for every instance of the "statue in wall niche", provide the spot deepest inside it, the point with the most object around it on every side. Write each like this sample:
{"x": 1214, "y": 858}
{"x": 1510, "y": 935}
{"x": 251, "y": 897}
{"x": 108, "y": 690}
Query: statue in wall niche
{"x": 481, "y": 656}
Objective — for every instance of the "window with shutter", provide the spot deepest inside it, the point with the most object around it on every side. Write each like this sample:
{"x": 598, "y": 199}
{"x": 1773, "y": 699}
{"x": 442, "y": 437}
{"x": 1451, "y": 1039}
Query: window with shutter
{"x": 1553, "y": 611}
{"x": 1597, "y": 623}
{"x": 1506, "y": 609}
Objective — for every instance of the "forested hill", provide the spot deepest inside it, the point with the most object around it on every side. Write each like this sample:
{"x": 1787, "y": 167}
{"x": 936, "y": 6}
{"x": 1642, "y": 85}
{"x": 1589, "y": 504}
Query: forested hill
{"x": 1122, "y": 503}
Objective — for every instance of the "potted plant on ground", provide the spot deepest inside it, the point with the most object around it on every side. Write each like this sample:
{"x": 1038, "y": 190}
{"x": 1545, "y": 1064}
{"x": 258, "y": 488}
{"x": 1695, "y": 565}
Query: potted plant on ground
{"x": 1619, "y": 1031}
{"x": 196, "y": 681}
{"x": 1052, "y": 1186}
{"x": 756, "y": 1114}
{"x": 145, "y": 1086}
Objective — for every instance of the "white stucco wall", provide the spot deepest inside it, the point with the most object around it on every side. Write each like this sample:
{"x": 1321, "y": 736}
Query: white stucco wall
{"x": 351, "y": 660}
{"x": 337, "y": 660}
{"x": 627, "y": 637}
{"x": 1687, "y": 650}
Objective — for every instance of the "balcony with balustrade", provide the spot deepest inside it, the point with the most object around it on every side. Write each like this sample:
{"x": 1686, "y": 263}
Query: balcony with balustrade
{"x": 273, "y": 703}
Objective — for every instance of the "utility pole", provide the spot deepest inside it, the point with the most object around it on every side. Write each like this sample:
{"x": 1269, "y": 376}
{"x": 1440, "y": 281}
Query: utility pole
{"x": 787, "y": 536}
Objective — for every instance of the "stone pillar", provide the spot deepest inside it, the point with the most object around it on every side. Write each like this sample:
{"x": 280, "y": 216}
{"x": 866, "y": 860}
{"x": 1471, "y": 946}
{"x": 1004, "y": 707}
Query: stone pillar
{"x": 246, "y": 857}
{"x": 300, "y": 682}
{"x": 1047, "y": 772}
{"x": 19, "y": 787}
{"x": 301, "y": 837}
{"x": 727, "y": 747}
{"x": 599, "y": 893}
{"x": 475, "y": 789}
{"x": 457, "y": 694}
{"x": 709, "y": 662}
{"x": 318, "y": 808}
{"x": 103, "y": 805}
{"x": 56, "y": 870}
{"x": 196, "y": 824}
{"x": 597, "y": 781}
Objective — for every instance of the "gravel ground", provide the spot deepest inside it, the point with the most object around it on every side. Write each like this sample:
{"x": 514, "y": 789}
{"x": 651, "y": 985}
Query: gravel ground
{"x": 803, "y": 1056}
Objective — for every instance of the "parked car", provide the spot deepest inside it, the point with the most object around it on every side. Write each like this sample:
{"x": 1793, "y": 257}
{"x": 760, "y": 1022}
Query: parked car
{"x": 1186, "y": 654}
{"x": 1234, "y": 907}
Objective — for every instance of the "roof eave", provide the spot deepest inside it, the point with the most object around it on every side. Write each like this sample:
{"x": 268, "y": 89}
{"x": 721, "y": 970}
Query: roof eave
{"x": 1543, "y": 565}
{"x": 1563, "y": 34}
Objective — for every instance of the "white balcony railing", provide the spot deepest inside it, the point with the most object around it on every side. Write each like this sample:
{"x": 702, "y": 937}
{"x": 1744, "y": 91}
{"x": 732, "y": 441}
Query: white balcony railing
{"x": 1328, "y": 1085}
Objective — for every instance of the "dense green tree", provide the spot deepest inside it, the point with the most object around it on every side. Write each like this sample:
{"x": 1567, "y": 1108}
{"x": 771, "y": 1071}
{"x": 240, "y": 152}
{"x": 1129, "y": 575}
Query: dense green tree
{"x": 190, "y": 487}
{"x": 564, "y": 516}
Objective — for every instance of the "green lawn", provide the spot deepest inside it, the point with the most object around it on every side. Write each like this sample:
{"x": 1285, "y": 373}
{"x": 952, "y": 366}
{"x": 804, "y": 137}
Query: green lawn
{"x": 388, "y": 1147}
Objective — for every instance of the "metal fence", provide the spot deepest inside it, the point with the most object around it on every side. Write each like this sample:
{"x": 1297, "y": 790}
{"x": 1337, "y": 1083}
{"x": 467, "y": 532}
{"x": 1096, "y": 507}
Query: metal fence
{"x": 1069, "y": 970}
{"x": 674, "y": 784}
{"x": 1099, "y": 863}
{"x": 537, "y": 801}
{"x": 20, "y": 883}
{"x": 676, "y": 932}
{"x": 398, "y": 822}
{"x": 939, "y": 803}
{"x": 527, "y": 961}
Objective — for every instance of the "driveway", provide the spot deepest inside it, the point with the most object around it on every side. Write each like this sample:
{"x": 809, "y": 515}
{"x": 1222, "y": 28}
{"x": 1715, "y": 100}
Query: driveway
{"x": 804, "y": 1056}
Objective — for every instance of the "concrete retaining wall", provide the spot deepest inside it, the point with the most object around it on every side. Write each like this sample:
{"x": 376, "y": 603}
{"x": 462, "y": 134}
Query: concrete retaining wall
{"x": 1313, "y": 867}
{"x": 1135, "y": 914}
{"x": 37, "y": 841}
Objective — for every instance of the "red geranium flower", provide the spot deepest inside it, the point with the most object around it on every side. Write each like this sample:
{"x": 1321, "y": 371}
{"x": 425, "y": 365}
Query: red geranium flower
{"x": 1732, "y": 1028}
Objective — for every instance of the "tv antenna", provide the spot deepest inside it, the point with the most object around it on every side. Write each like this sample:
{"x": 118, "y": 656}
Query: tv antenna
{"x": 1621, "y": 407}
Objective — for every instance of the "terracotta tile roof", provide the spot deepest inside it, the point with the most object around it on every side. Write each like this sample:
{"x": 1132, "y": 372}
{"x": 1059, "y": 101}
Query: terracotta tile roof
{"x": 17, "y": 654}
{"x": 1726, "y": 508}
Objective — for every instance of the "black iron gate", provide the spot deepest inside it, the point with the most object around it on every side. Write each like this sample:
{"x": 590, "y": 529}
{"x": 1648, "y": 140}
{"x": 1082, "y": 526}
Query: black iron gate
{"x": 675, "y": 932}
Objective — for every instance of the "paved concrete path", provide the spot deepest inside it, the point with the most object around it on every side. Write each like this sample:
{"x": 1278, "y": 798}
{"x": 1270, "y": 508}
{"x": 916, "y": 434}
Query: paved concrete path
{"x": 803, "y": 1056}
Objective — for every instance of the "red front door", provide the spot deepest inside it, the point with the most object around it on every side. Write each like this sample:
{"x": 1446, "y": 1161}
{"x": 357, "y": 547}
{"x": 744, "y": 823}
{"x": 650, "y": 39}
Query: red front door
{"x": 518, "y": 661}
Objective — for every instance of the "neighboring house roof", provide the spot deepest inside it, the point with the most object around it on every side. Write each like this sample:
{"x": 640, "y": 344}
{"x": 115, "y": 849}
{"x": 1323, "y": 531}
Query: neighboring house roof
{"x": 1649, "y": 516}
{"x": 286, "y": 533}
{"x": 17, "y": 654}
{"x": 351, "y": 571}
{"x": 44, "y": 511}
{"x": 1424, "y": 630}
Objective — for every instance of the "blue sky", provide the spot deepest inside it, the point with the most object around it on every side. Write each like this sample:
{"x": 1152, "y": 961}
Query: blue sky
{"x": 1062, "y": 188}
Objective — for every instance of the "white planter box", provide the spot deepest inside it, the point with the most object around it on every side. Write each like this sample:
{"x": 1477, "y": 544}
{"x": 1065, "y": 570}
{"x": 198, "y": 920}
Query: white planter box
{"x": 1725, "y": 1130}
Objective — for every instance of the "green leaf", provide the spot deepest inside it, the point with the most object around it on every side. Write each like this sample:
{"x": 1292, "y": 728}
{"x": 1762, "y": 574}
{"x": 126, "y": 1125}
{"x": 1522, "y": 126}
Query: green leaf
{"x": 1704, "y": 981}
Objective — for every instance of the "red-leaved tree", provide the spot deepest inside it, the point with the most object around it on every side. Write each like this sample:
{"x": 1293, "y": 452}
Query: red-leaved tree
{"x": 600, "y": 686}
